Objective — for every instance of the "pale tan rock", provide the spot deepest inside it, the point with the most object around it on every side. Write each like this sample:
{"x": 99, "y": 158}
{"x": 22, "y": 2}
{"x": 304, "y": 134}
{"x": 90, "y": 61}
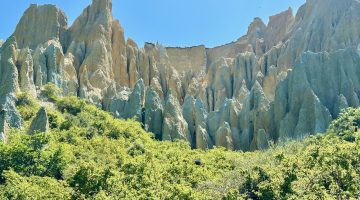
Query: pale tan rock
{"x": 143, "y": 67}
{"x": 220, "y": 80}
{"x": 118, "y": 54}
{"x": 275, "y": 75}
{"x": 278, "y": 27}
{"x": 246, "y": 69}
{"x": 8, "y": 70}
{"x": 71, "y": 84}
{"x": 26, "y": 73}
{"x": 255, "y": 36}
{"x": 281, "y": 80}
{"x": 175, "y": 85}
{"x": 203, "y": 140}
{"x": 193, "y": 87}
{"x": 242, "y": 93}
{"x": 170, "y": 81}
{"x": 91, "y": 43}
{"x": 185, "y": 59}
{"x": 9, "y": 86}
{"x": 157, "y": 87}
{"x": 153, "y": 57}
{"x": 40, "y": 24}
{"x": 132, "y": 51}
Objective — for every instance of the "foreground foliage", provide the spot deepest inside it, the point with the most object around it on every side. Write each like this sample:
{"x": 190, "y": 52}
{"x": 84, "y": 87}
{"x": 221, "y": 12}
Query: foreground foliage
{"x": 90, "y": 155}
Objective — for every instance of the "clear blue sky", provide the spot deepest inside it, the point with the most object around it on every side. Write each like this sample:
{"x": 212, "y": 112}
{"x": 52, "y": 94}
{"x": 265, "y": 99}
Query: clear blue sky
{"x": 170, "y": 22}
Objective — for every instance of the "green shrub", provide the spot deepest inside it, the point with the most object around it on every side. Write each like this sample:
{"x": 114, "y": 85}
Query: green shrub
{"x": 26, "y": 105}
{"x": 136, "y": 149}
{"x": 347, "y": 125}
{"x": 26, "y": 154}
{"x": 51, "y": 91}
{"x": 55, "y": 119}
{"x": 88, "y": 154}
{"x": 34, "y": 187}
{"x": 257, "y": 185}
{"x": 90, "y": 180}
{"x": 72, "y": 105}
{"x": 25, "y": 99}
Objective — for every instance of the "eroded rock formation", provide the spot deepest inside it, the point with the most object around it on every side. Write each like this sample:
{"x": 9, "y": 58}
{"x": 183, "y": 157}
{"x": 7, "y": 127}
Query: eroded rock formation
{"x": 9, "y": 86}
{"x": 282, "y": 80}
{"x": 40, "y": 124}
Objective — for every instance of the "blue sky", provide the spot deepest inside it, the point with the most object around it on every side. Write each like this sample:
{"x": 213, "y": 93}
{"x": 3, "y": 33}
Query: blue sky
{"x": 170, "y": 22}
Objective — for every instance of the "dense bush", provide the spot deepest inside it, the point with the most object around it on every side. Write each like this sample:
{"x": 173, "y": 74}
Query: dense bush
{"x": 90, "y": 155}
{"x": 51, "y": 92}
{"x": 26, "y": 105}
{"x": 346, "y": 124}
{"x": 71, "y": 105}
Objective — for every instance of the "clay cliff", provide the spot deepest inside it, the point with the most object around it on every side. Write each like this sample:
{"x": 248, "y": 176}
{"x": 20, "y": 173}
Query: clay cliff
{"x": 286, "y": 79}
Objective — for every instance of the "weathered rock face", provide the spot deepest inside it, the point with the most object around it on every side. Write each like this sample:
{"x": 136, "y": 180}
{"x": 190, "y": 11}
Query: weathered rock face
{"x": 40, "y": 123}
{"x": 91, "y": 45}
{"x": 153, "y": 117}
{"x": 319, "y": 86}
{"x": 9, "y": 72}
{"x": 186, "y": 59}
{"x": 39, "y": 25}
{"x": 319, "y": 26}
{"x": 195, "y": 115}
{"x": 135, "y": 103}
{"x": 282, "y": 80}
{"x": 4, "y": 127}
{"x": 8, "y": 87}
{"x": 174, "y": 125}
{"x": 278, "y": 27}
{"x": 223, "y": 137}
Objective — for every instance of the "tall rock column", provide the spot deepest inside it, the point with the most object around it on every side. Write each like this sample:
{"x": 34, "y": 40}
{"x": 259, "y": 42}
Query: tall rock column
{"x": 174, "y": 124}
{"x": 153, "y": 118}
{"x": 91, "y": 38}
{"x": 195, "y": 115}
{"x": 9, "y": 85}
{"x": 40, "y": 24}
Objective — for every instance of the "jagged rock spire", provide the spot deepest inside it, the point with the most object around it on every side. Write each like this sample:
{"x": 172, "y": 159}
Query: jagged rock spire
{"x": 40, "y": 24}
{"x": 239, "y": 95}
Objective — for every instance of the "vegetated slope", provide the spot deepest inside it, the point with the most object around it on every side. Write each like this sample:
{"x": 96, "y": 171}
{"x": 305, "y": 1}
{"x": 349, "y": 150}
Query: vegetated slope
{"x": 88, "y": 154}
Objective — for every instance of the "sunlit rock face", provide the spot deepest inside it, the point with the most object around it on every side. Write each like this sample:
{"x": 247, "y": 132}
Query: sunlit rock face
{"x": 40, "y": 24}
{"x": 286, "y": 79}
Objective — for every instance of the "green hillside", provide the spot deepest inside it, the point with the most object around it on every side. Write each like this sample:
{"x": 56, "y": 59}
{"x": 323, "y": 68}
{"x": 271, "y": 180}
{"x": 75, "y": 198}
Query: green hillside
{"x": 88, "y": 154}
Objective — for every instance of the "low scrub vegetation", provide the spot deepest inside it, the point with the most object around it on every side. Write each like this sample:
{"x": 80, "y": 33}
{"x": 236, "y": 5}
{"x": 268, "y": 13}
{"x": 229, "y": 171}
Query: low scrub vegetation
{"x": 88, "y": 154}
